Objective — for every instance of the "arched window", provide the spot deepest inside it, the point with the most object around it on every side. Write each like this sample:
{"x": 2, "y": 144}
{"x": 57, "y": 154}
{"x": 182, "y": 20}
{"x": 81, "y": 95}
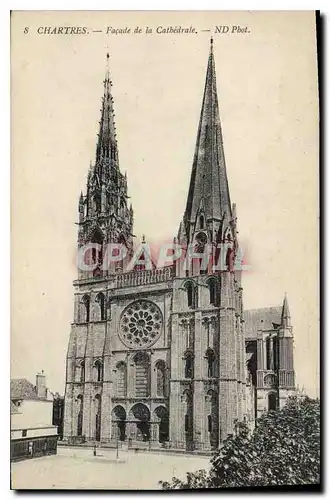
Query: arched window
{"x": 97, "y": 253}
{"x": 142, "y": 374}
{"x": 160, "y": 378}
{"x": 101, "y": 301}
{"x": 187, "y": 410}
{"x": 190, "y": 294}
{"x": 98, "y": 404}
{"x": 269, "y": 353}
{"x": 210, "y": 357}
{"x": 230, "y": 259}
{"x": 86, "y": 303}
{"x": 190, "y": 291}
{"x": 201, "y": 222}
{"x": 212, "y": 412}
{"x": 199, "y": 248}
{"x": 98, "y": 371}
{"x": 186, "y": 422}
{"x": 213, "y": 292}
{"x": 82, "y": 372}
{"x": 189, "y": 365}
{"x": 272, "y": 401}
{"x": 80, "y": 404}
{"x": 121, "y": 379}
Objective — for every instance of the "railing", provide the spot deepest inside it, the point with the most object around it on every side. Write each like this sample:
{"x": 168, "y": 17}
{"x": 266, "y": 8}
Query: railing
{"x": 283, "y": 378}
{"x": 146, "y": 277}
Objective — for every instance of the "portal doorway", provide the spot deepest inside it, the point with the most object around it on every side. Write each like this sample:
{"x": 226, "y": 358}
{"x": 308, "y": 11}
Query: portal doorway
{"x": 272, "y": 401}
{"x": 141, "y": 415}
{"x": 119, "y": 423}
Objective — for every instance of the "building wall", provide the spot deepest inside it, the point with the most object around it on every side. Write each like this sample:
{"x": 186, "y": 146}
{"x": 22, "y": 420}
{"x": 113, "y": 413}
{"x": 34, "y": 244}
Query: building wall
{"x": 32, "y": 413}
{"x": 50, "y": 430}
{"x": 202, "y": 408}
{"x": 100, "y": 341}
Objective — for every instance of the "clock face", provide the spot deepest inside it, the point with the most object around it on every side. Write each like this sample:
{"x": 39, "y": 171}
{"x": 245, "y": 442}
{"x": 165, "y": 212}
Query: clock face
{"x": 140, "y": 324}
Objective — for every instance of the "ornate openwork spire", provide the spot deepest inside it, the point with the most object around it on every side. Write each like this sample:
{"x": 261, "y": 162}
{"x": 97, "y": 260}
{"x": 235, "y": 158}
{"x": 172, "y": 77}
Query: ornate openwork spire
{"x": 107, "y": 143}
{"x": 208, "y": 183}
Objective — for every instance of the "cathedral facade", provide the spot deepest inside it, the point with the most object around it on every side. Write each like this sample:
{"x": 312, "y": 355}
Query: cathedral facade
{"x": 167, "y": 357}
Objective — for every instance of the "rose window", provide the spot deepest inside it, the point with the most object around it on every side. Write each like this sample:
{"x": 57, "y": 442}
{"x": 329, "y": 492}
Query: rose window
{"x": 140, "y": 324}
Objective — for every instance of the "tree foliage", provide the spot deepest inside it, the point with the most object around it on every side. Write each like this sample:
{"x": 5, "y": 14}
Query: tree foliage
{"x": 283, "y": 449}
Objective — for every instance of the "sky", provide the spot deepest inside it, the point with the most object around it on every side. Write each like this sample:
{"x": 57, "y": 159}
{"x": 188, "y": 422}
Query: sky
{"x": 267, "y": 91}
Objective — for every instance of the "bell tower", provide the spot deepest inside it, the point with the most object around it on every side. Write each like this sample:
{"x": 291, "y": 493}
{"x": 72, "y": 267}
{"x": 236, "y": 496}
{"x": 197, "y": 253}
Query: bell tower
{"x": 104, "y": 215}
{"x": 208, "y": 350}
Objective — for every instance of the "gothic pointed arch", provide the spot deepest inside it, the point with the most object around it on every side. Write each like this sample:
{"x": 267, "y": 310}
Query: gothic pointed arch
{"x": 97, "y": 237}
{"x": 100, "y": 300}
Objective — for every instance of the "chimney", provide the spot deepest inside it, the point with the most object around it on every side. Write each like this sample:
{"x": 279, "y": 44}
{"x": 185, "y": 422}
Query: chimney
{"x": 41, "y": 385}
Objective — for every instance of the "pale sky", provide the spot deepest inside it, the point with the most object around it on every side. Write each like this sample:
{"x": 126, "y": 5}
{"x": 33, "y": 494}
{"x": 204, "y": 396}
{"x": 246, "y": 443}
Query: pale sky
{"x": 267, "y": 91}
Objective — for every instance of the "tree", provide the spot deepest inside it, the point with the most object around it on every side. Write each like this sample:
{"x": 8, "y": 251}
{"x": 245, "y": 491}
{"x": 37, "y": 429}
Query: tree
{"x": 284, "y": 449}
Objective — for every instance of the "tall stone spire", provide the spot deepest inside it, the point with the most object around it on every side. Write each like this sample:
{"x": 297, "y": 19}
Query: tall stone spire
{"x": 208, "y": 184}
{"x": 107, "y": 143}
{"x": 286, "y": 317}
{"x": 104, "y": 214}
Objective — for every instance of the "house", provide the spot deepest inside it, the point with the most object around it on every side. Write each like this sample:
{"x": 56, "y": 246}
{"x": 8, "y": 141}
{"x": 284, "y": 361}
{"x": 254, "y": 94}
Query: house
{"x": 31, "y": 412}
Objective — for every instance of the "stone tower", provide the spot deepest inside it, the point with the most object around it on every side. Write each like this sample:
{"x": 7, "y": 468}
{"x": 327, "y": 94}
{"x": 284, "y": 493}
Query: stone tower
{"x": 104, "y": 217}
{"x": 207, "y": 353}
{"x": 269, "y": 348}
{"x": 275, "y": 372}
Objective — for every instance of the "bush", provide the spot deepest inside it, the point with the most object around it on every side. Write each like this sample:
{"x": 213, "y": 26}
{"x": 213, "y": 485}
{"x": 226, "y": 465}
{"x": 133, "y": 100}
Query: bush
{"x": 284, "y": 449}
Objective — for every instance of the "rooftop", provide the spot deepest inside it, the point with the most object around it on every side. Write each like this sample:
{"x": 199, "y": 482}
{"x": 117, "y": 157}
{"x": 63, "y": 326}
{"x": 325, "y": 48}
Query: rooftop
{"x": 265, "y": 318}
{"x": 21, "y": 388}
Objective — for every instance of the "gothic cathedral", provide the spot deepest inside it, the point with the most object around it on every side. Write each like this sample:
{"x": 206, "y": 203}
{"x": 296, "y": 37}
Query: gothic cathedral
{"x": 165, "y": 357}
